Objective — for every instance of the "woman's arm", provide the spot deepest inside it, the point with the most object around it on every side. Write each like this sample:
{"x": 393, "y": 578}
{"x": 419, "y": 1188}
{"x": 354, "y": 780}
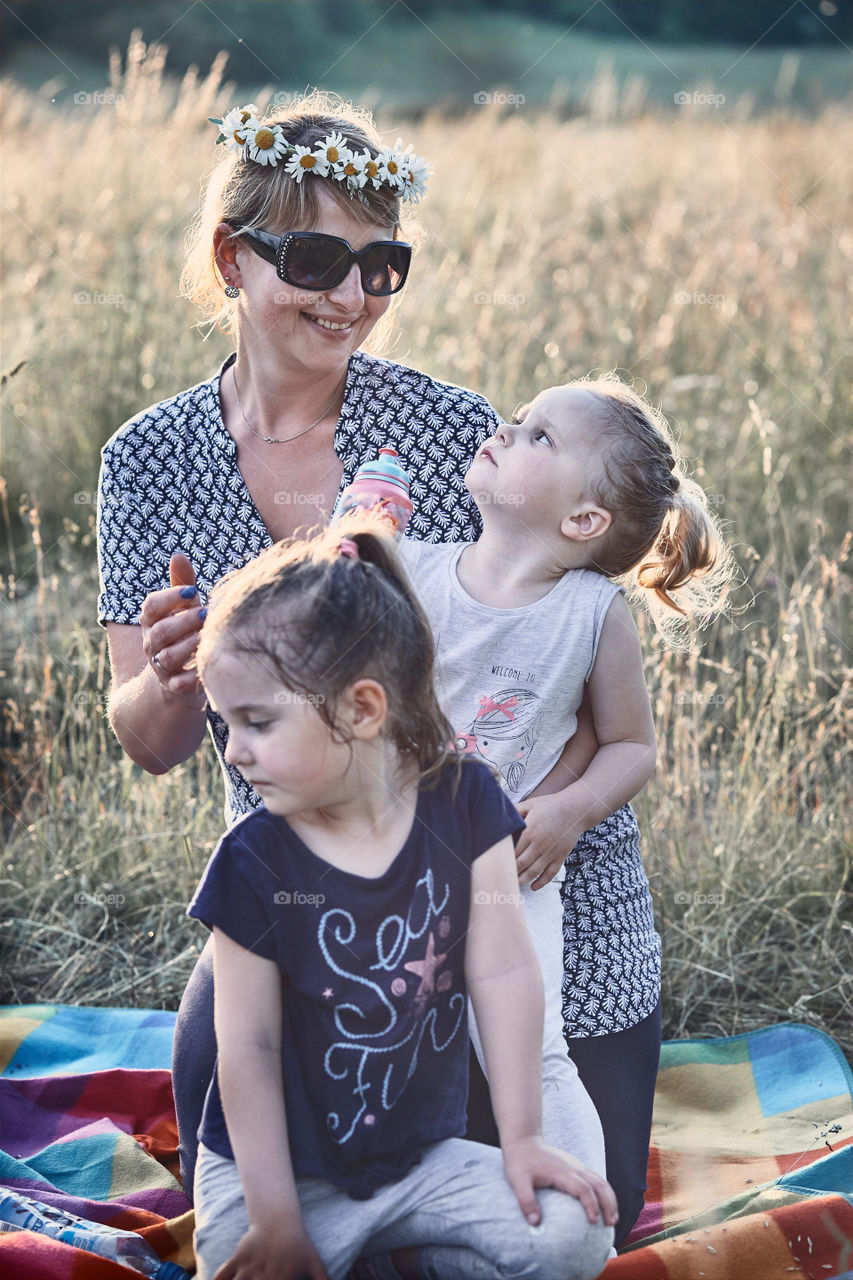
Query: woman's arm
{"x": 505, "y": 985}
{"x": 247, "y": 1015}
{"x": 622, "y": 765}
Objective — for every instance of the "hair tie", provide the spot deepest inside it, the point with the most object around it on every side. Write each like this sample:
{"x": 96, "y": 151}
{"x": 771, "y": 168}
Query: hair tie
{"x": 348, "y": 548}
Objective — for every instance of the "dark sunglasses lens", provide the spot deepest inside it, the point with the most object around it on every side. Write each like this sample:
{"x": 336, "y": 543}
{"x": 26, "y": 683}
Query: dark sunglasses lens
{"x": 384, "y": 268}
{"x": 319, "y": 263}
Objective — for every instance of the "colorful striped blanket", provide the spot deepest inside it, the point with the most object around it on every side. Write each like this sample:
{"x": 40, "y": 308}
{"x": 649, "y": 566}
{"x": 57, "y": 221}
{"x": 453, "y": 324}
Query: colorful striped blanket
{"x": 750, "y": 1175}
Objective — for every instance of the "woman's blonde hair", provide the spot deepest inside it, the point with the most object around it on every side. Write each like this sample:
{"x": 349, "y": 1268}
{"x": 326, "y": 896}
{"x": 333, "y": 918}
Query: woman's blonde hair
{"x": 662, "y": 537}
{"x": 246, "y": 194}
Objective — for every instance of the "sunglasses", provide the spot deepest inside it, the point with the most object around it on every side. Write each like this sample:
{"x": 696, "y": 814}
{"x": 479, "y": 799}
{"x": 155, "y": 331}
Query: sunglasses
{"x": 311, "y": 260}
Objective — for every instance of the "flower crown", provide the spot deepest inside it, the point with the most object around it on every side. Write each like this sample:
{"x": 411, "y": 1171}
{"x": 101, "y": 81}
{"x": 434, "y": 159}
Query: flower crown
{"x": 397, "y": 167}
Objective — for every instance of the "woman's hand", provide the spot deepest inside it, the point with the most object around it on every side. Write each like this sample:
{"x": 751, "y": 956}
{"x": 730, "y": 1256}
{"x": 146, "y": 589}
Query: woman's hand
{"x": 282, "y": 1250}
{"x": 529, "y": 1163}
{"x": 553, "y": 829}
{"x": 171, "y": 623}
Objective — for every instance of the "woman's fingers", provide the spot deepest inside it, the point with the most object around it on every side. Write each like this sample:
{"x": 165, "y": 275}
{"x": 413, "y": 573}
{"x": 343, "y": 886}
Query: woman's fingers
{"x": 181, "y": 571}
{"x": 173, "y": 654}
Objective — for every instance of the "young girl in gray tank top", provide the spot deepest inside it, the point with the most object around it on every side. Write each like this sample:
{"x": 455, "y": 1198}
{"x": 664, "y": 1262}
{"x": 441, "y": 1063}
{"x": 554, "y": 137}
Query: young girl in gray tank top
{"x": 581, "y": 496}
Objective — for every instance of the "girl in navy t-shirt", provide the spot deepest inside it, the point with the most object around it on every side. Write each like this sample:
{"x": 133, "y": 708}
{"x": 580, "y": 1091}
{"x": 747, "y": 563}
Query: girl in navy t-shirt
{"x": 352, "y": 915}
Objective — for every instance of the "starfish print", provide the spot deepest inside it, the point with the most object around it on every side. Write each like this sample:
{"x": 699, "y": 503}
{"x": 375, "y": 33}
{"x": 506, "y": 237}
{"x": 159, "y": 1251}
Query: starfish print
{"x": 426, "y": 970}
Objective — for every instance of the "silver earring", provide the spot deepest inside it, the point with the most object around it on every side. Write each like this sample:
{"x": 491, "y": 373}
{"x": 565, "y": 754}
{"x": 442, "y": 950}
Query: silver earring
{"x": 231, "y": 290}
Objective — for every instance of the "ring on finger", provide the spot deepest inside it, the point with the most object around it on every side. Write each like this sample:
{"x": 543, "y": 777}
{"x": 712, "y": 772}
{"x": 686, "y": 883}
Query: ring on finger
{"x": 155, "y": 661}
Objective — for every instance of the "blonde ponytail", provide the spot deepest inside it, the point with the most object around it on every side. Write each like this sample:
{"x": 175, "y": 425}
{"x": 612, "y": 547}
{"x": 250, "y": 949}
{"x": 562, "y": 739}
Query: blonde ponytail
{"x": 663, "y": 542}
{"x": 688, "y": 571}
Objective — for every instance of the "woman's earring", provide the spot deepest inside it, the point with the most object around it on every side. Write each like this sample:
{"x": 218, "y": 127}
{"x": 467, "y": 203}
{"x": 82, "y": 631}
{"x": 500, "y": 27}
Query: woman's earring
{"x": 231, "y": 290}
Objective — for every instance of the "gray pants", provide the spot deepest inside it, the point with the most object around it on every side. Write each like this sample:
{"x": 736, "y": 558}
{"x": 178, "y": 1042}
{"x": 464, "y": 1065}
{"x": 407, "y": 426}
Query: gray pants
{"x": 569, "y": 1119}
{"x": 457, "y": 1196}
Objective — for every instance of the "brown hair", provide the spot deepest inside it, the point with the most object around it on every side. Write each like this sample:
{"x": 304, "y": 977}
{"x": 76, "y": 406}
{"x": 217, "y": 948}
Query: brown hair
{"x": 662, "y": 534}
{"x": 246, "y": 194}
{"x": 323, "y": 620}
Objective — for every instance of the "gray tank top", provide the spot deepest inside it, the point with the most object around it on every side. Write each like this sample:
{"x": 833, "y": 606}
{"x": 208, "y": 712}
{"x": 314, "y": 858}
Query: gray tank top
{"x": 510, "y": 680}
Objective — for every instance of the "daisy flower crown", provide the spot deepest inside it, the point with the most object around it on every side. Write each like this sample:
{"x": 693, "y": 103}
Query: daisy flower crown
{"x": 396, "y": 168}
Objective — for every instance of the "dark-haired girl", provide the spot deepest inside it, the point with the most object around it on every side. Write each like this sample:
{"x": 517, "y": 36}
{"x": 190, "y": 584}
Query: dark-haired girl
{"x": 352, "y": 914}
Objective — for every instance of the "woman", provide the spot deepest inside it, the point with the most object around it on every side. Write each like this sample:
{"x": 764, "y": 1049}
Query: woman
{"x": 223, "y": 469}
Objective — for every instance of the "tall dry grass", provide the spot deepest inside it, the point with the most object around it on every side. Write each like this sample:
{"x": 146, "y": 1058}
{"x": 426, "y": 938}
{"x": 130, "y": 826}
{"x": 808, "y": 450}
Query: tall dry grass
{"x": 709, "y": 255}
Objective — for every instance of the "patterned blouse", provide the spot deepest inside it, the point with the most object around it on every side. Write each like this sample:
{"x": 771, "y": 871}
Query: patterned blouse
{"x": 170, "y": 481}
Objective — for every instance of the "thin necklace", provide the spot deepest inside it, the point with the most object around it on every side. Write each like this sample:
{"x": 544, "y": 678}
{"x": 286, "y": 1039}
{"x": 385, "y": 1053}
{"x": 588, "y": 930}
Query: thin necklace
{"x": 281, "y": 439}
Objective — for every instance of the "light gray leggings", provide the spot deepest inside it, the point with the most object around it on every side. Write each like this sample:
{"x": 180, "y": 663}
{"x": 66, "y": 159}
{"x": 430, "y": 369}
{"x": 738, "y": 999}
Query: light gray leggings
{"x": 569, "y": 1119}
{"x": 455, "y": 1207}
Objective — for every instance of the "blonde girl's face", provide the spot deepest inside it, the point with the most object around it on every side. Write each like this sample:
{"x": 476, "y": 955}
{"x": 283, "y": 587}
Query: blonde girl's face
{"x": 306, "y": 330}
{"x": 276, "y": 738}
{"x": 542, "y": 469}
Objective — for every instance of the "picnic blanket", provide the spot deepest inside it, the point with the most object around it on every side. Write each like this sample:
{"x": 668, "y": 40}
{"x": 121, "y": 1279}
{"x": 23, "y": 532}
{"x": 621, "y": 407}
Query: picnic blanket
{"x": 750, "y": 1172}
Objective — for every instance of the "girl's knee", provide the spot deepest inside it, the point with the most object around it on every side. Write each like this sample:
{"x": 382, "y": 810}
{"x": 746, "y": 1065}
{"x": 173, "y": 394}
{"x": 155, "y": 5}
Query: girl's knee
{"x": 568, "y": 1245}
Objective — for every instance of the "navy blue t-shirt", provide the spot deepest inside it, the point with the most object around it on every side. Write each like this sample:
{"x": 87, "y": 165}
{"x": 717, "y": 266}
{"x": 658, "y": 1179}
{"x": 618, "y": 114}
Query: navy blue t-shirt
{"x": 375, "y": 1036}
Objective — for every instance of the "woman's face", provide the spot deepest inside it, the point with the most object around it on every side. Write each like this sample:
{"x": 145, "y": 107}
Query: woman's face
{"x": 315, "y": 332}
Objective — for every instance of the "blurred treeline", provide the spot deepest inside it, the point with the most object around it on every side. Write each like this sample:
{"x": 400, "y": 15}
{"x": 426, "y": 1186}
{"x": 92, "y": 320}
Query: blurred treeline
{"x": 418, "y": 52}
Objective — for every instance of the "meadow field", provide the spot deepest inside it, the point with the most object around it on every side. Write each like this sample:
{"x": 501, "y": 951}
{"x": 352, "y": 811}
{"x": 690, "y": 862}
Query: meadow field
{"x": 707, "y": 254}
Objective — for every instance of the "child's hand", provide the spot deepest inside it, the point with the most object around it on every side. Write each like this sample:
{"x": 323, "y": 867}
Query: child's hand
{"x": 529, "y": 1163}
{"x": 551, "y": 833}
{"x": 280, "y": 1251}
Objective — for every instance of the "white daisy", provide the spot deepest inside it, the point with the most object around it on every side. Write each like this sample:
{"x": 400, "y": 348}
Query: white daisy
{"x": 233, "y": 125}
{"x": 390, "y": 162}
{"x": 415, "y": 174}
{"x": 333, "y": 150}
{"x": 352, "y": 171}
{"x": 265, "y": 143}
{"x": 303, "y": 160}
{"x": 371, "y": 169}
